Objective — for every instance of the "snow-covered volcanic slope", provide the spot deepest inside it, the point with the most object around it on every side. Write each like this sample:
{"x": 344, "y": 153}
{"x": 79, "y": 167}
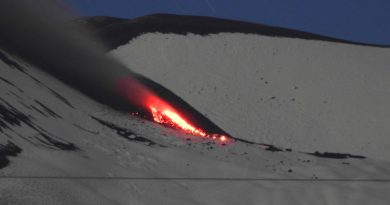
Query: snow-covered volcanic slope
{"x": 57, "y": 146}
{"x": 264, "y": 84}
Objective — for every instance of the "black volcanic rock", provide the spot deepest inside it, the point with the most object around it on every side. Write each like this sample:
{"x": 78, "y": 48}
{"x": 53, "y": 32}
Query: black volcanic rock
{"x": 9, "y": 149}
{"x": 336, "y": 155}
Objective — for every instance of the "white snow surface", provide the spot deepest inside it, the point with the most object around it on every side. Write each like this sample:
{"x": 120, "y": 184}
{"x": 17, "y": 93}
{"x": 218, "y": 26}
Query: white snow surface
{"x": 306, "y": 95}
{"x": 104, "y": 153}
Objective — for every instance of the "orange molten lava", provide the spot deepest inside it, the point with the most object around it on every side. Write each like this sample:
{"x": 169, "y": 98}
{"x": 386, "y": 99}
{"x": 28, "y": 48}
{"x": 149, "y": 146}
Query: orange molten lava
{"x": 163, "y": 113}
{"x": 223, "y": 138}
{"x": 171, "y": 118}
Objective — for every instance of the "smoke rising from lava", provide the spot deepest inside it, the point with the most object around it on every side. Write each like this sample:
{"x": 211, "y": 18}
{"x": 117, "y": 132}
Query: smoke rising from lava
{"x": 37, "y": 32}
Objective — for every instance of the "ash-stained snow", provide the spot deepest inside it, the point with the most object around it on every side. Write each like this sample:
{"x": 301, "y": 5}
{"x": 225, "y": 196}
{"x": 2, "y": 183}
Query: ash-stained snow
{"x": 106, "y": 143}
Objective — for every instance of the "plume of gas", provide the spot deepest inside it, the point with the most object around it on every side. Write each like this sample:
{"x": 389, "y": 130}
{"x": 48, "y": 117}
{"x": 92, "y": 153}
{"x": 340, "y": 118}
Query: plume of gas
{"x": 40, "y": 32}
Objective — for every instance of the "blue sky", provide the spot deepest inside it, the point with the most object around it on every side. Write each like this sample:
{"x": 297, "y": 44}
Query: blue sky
{"x": 357, "y": 20}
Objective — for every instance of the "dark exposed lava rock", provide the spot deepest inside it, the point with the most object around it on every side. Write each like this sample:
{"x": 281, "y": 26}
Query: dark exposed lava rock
{"x": 9, "y": 149}
{"x": 11, "y": 117}
{"x": 336, "y": 155}
{"x": 272, "y": 148}
{"x": 60, "y": 97}
{"x": 48, "y": 110}
{"x": 11, "y": 84}
{"x": 267, "y": 147}
{"x": 62, "y": 145}
{"x": 10, "y": 62}
{"x": 126, "y": 133}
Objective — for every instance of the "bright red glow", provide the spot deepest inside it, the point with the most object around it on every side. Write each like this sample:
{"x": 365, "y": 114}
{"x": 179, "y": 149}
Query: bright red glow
{"x": 223, "y": 138}
{"x": 171, "y": 118}
{"x": 163, "y": 113}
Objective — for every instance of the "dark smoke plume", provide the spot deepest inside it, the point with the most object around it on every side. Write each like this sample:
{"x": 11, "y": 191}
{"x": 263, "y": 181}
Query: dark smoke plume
{"x": 37, "y": 31}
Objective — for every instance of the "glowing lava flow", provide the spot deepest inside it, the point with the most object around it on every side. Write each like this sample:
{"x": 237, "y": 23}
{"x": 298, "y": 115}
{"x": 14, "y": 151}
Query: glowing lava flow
{"x": 166, "y": 115}
{"x": 163, "y": 113}
{"x": 171, "y": 118}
